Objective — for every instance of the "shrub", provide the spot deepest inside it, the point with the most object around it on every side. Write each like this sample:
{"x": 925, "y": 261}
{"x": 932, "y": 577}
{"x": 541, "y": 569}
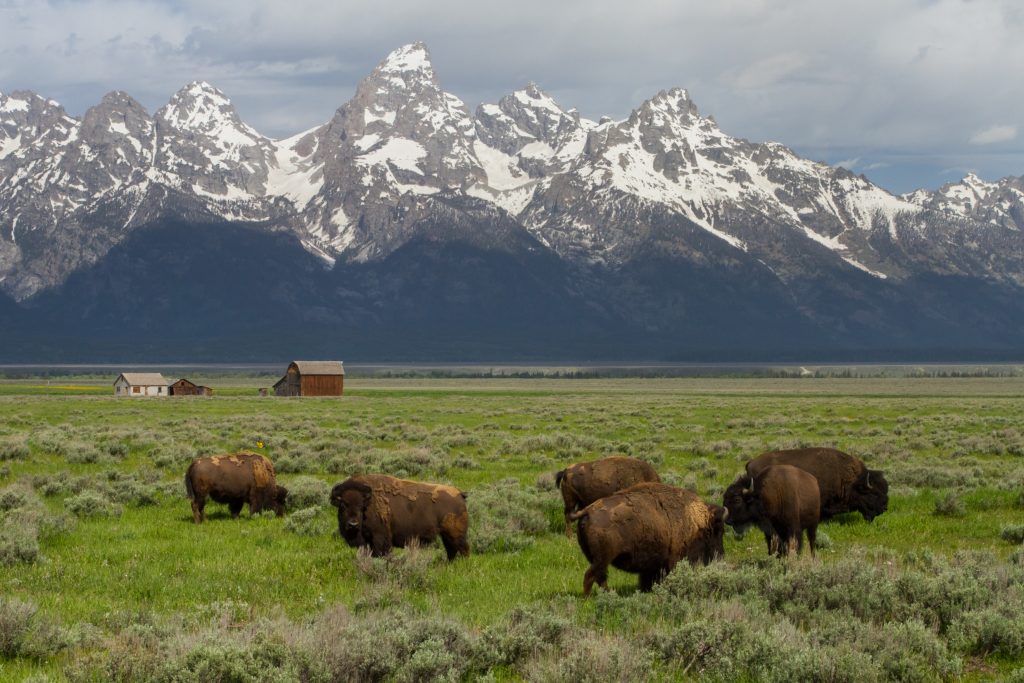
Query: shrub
{"x": 14, "y": 449}
{"x": 1014, "y": 533}
{"x": 522, "y": 635}
{"x": 409, "y": 569}
{"x": 307, "y": 522}
{"x": 593, "y": 658}
{"x": 505, "y": 517}
{"x": 92, "y": 504}
{"x": 950, "y": 505}
{"x": 23, "y": 519}
{"x": 992, "y": 630}
{"x": 25, "y": 633}
{"x": 306, "y": 492}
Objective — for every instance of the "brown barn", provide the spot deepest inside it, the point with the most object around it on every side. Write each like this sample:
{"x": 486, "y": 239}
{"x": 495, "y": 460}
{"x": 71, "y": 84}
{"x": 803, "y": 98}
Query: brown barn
{"x": 312, "y": 378}
{"x": 184, "y": 387}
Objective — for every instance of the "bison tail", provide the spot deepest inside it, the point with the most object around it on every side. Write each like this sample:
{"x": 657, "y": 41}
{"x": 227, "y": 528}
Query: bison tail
{"x": 578, "y": 515}
{"x": 189, "y": 491}
{"x": 559, "y": 476}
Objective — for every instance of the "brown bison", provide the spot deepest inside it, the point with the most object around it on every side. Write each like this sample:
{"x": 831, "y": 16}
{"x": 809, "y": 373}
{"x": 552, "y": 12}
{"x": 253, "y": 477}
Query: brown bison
{"x": 379, "y": 511}
{"x": 646, "y": 529}
{"x": 235, "y": 479}
{"x": 844, "y": 482}
{"x": 783, "y": 502}
{"x": 583, "y": 483}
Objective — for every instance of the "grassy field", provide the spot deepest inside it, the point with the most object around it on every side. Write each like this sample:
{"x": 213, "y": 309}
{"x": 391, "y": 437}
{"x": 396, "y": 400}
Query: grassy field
{"x": 103, "y": 575}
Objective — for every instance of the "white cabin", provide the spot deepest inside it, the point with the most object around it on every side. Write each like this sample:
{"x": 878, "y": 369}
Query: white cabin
{"x": 140, "y": 384}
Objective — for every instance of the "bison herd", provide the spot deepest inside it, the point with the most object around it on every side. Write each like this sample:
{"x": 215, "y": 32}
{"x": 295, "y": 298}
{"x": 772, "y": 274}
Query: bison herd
{"x": 625, "y": 516}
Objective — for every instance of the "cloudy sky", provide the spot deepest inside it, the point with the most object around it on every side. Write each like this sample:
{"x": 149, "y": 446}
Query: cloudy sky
{"x": 912, "y": 93}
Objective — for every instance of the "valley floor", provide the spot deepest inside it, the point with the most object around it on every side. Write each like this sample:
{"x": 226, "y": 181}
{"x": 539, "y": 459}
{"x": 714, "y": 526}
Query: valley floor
{"x": 103, "y": 575}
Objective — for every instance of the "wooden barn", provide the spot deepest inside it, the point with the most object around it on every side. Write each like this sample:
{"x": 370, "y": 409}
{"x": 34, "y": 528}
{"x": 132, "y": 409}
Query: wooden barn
{"x": 140, "y": 384}
{"x": 184, "y": 387}
{"x": 312, "y": 378}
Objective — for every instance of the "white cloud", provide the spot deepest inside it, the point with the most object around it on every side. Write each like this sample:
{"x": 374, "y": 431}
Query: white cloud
{"x": 994, "y": 134}
{"x": 849, "y": 164}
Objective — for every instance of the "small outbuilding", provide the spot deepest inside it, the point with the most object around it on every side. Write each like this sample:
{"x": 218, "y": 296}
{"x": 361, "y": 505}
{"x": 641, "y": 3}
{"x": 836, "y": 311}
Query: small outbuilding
{"x": 312, "y": 378}
{"x": 140, "y": 384}
{"x": 184, "y": 387}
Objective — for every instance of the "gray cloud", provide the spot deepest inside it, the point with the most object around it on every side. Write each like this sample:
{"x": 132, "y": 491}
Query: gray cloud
{"x": 904, "y": 87}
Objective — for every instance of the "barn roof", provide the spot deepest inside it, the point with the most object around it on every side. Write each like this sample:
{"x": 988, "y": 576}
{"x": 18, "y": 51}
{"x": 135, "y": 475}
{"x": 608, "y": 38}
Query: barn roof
{"x": 320, "y": 367}
{"x": 184, "y": 381}
{"x": 146, "y": 379}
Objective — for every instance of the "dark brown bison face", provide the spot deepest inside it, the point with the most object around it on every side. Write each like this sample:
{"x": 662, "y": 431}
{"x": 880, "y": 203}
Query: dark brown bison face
{"x": 351, "y": 498}
{"x": 716, "y": 548}
{"x": 738, "y": 500}
{"x": 280, "y": 496}
{"x": 871, "y": 494}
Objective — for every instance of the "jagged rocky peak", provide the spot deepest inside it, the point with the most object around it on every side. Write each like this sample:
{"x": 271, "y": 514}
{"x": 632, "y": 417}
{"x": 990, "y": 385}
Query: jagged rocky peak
{"x": 199, "y": 107}
{"x": 527, "y": 116}
{"x": 26, "y": 117}
{"x": 117, "y": 115}
{"x": 401, "y": 127}
{"x": 411, "y": 59}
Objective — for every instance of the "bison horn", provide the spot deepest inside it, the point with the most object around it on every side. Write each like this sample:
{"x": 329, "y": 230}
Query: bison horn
{"x": 868, "y": 479}
{"x": 725, "y": 514}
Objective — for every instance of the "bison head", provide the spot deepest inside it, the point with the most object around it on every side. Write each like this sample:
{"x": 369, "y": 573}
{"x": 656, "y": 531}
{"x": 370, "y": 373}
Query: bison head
{"x": 738, "y": 501}
{"x": 280, "y": 496}
{"x": 719, "y": 518}
{"x": 871, "y": 494}
{"x": 352, "y": 498}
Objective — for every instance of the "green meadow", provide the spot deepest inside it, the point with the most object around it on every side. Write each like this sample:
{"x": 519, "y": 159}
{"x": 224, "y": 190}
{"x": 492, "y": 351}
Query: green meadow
{"x": 104, "y": 576}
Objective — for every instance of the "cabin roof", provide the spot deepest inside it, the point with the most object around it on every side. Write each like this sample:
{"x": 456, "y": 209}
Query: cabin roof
{"x": 320, "y": 367}
{"x": 145, "y": 379}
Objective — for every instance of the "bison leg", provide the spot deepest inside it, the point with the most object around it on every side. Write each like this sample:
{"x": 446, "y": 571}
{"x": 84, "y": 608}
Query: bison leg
{"x": 235, "y": 508}
{"x": 594, "y": 574}
{"x": 812, "y": 540}
{"x": 569, "y": 509}
{"x": 380, "y": 545}
{"x": 650, "y": 577}
{"x": 197, "y": 509}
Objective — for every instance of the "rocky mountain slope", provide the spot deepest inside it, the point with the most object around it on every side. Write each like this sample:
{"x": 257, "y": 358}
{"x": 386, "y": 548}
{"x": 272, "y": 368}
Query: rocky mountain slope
{"x": 640, "y": 216}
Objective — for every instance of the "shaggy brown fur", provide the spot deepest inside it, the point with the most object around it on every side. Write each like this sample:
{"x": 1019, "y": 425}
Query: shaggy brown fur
{"x": 583, "y": 483}
{"x": 379, "y": 511}
{"x": 646, "y": 529}
{"x": 783, "y": 503}
{"x": 844, "y": 482}
{"x": 235, "y": 479}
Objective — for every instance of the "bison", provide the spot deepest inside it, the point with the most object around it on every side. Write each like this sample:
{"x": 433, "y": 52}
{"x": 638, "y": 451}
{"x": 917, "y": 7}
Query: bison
{"x": 234, "y": 479}
{"x": 844, "y": 482}
{"x": 646, "y": 529}
{"x": 583, "y": 483}
{"x": 379, "y": 511}
{"x": 783, "y": 502}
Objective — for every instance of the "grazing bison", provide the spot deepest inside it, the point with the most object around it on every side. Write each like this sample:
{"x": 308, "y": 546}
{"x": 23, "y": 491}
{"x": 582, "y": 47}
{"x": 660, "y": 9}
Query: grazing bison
{"x": 845, "y": 484}
{"x": 646, "y": 529}
{"x": 583, "y": 483}
{"x": 235, "y": 479}
{"x": 379, "y": 511}
{"x": 783, "y": 502}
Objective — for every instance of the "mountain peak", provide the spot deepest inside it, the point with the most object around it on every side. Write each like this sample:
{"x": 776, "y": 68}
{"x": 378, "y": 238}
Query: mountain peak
{"x": 674, "y": 101}
{"x": 411, "y": 58}
{"x": 119, "y": 99}
{"x": 203, "y": 108}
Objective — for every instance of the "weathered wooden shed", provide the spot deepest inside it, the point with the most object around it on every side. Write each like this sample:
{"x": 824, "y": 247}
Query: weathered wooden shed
{"x": 140, "y": 384}
{"x": 184, "y": 387}
{"x": 312, "y": 378}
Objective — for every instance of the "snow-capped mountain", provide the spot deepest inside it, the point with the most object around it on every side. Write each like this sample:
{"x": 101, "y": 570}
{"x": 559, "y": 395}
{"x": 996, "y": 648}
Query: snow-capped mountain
{"x": 404, "y": 160}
